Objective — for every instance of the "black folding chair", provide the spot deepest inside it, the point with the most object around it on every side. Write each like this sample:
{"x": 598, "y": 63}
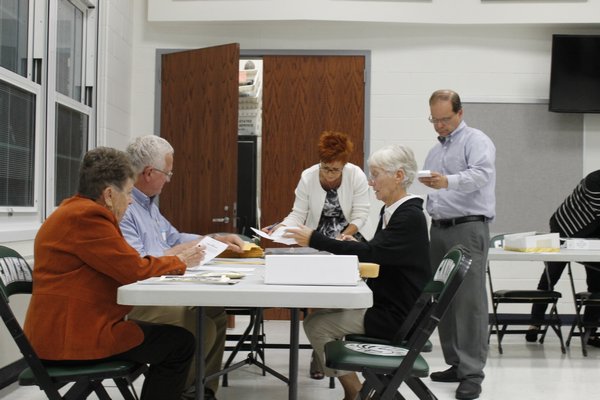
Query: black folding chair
{"x": 386, "y": 367}
{"x": 16, "y": 278}
{"x": 579, "y": 327}
{"x": 500, "y": 322}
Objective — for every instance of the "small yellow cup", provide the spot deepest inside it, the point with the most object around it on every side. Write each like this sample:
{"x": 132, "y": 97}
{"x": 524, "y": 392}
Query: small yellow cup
{"x": 368, "y": 270}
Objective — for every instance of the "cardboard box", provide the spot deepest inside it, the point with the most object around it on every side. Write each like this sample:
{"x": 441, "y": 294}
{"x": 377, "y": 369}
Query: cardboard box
{"x": 532, "y": 243}
{"x": 311, "y": 269}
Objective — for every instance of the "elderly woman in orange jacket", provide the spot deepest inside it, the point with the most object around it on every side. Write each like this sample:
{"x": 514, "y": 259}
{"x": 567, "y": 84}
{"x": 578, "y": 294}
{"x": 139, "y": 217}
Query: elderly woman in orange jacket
{"x": 81, "y": 259}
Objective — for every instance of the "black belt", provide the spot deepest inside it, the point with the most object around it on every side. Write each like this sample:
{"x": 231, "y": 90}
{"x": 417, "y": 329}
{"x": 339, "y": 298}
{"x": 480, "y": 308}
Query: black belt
{"x": 446, "y": 223}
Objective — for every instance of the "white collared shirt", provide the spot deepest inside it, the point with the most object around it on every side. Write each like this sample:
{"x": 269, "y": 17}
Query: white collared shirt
{"x": 389, "y": 211}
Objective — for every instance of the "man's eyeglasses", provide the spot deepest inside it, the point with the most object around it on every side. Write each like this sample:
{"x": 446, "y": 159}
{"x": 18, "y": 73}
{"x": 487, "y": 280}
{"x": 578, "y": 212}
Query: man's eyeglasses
{"x": 329, "y": 170}
{"x": 444, "y": 121}
{"x": 167, "y": 174}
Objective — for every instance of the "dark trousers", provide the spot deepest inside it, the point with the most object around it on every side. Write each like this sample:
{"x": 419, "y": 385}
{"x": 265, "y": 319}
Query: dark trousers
{"x": 554, "y": 271}
{"x": 464, "y": 328}
{"x": 549, "y": 278}
{"x": 167, "y": 349}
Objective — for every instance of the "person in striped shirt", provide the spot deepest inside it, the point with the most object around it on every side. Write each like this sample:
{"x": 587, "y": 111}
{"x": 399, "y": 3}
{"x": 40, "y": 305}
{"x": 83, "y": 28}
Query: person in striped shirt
{"x": 578, "y": 216}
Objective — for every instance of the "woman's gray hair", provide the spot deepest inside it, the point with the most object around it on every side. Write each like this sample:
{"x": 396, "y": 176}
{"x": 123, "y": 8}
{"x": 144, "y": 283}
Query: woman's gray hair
{"x": 148, "y": 151}
{"x": 102, "y": 167}
{"x": 393, "y": 158}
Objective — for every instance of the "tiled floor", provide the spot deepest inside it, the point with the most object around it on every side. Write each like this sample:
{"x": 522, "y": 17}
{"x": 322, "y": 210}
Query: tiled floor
{"x": 524, "y": 371}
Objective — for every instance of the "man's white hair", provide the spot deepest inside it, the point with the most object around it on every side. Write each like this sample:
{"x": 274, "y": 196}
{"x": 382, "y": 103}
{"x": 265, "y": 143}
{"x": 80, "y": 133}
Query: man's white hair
{"x": 148, "y": 151}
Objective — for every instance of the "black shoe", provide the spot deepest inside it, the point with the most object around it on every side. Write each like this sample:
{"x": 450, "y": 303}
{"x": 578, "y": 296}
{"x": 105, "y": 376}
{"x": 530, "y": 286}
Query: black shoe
{"x": 531, "y": 335}
{"x": 468, "y": 390}
{"x": 594, "y": 341}
{"x": 449, "y": 375}
{"x": 190, "y": 394}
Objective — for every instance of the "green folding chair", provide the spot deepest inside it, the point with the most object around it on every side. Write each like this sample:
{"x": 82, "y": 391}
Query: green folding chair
{"x": 386, "y": 366}
{"x": 16, "y": 278}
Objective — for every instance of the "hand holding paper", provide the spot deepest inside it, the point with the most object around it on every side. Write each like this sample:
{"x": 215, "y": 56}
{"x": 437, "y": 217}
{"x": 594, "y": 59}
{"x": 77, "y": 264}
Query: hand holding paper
{"x": 277, "y": 236}
{"x": 212, "y": 248}
{"x": 300, "y": 234}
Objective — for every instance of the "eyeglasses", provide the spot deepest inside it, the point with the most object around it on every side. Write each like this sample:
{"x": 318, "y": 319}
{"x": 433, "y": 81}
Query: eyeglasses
{"x": 329, "y": 170}
{"x": 443, "y": 121}
{"x": 377, "y": 175}
{"x": 167, "y": 174}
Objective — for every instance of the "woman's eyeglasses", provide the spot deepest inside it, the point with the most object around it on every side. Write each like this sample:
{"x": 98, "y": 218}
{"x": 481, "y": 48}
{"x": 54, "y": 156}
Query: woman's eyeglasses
{"x": 329, "y": 170}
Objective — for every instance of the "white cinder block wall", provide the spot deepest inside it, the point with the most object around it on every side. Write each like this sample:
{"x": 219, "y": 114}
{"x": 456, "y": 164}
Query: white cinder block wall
{"x": 114, "y": 73}
{"x": 499, "y": 51}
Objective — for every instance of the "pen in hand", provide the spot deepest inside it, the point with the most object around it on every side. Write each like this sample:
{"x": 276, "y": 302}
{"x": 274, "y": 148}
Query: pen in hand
{"x": 269, "y": 229}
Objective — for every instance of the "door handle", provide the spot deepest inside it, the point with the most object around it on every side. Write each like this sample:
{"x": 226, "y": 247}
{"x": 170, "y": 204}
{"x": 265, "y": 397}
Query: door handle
{"x": 224, "y": 220}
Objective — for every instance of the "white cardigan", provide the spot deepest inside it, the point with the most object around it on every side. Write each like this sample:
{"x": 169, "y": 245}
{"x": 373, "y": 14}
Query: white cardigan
{"x": 353, "y": 194}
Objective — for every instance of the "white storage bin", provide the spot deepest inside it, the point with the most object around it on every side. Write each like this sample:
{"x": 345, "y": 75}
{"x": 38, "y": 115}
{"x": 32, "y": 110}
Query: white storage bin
{"x": 311, "y": 269}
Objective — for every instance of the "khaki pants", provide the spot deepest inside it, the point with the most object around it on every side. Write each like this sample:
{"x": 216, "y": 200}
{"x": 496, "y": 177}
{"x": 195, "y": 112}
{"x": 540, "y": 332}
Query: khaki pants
{"x": 215, "y": 325}
{"x": 328, "y": 324}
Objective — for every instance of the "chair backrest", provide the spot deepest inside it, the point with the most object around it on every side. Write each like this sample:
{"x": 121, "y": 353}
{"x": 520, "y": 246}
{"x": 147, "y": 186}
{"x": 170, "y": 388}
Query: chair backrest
{"x": 497, "y": 241}
{"x": 16, "y": 278}
{"x": 440, "y": 292}
{"x": 448, "y": 277}
{"x": 15, "y": 273}
{"x": 437, "y": 293}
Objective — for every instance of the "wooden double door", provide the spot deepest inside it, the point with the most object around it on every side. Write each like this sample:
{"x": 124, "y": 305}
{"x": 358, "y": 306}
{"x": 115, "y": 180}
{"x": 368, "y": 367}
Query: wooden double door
{"x": 303, "y": 95}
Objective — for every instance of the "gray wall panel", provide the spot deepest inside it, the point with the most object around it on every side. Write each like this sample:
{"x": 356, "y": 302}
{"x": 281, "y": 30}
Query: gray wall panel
{"x": 539, "y": 160}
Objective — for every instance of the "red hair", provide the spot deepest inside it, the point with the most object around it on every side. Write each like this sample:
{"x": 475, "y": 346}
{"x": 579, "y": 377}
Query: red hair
{"x": 334, "y": 146}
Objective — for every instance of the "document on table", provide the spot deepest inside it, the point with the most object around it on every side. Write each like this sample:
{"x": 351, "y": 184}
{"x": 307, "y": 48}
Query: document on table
{"x": 220, "y": 278}
{"x": 212, "y": 248}
{"x": 277, "y": 236}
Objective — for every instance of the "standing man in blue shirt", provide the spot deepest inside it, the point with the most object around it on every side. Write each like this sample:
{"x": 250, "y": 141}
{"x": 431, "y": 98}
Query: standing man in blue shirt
{"x": 463, "y": 175}
{"x": 146, "y": 230}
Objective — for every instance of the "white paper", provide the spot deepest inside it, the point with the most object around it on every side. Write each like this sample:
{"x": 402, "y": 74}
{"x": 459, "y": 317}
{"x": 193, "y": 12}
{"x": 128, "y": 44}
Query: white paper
{"x": 228, "y": 277}
{"x": 277, "y": 236}
{"x": 212, "y": 248}
{"x": 220, "y": 268}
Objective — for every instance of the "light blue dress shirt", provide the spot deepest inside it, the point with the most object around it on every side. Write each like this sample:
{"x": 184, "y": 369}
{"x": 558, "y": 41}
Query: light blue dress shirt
{"x": 467, "y": 157}
{"x": 146, "y": 230}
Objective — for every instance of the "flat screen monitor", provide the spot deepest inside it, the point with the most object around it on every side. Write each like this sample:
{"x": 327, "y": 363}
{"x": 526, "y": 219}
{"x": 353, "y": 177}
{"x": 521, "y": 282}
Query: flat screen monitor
{"x": 575, "y": 74}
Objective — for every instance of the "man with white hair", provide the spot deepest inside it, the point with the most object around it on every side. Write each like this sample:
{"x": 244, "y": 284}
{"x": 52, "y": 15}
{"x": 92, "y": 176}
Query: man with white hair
{"x": 150, "y": 233}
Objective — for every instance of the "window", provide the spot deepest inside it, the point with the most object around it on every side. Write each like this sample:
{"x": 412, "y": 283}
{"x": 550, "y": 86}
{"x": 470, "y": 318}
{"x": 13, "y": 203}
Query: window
{"x": 69, "y": 49}
{"x": 17, "y": 146}
{"x": 47, "y": 117}
{"x": 71, "y": 145}
{"x": 14, "y": 15}
{"x": 69, "y": 127}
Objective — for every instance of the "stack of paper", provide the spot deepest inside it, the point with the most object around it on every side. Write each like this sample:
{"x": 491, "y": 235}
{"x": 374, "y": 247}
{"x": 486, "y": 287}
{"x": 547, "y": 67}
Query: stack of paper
{"x": 532, "y": 243}
{"x": 583, "y": 244}
{"x": 251, "y": 250}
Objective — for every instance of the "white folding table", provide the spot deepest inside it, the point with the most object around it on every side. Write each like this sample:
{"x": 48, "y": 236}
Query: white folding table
{"x": 251, "y": 291}
{"x": 569, "y": 256}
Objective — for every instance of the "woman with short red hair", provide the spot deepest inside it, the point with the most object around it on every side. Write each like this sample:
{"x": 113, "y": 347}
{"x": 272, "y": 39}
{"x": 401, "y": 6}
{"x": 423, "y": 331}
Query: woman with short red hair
{"x": 332, "y": 197}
